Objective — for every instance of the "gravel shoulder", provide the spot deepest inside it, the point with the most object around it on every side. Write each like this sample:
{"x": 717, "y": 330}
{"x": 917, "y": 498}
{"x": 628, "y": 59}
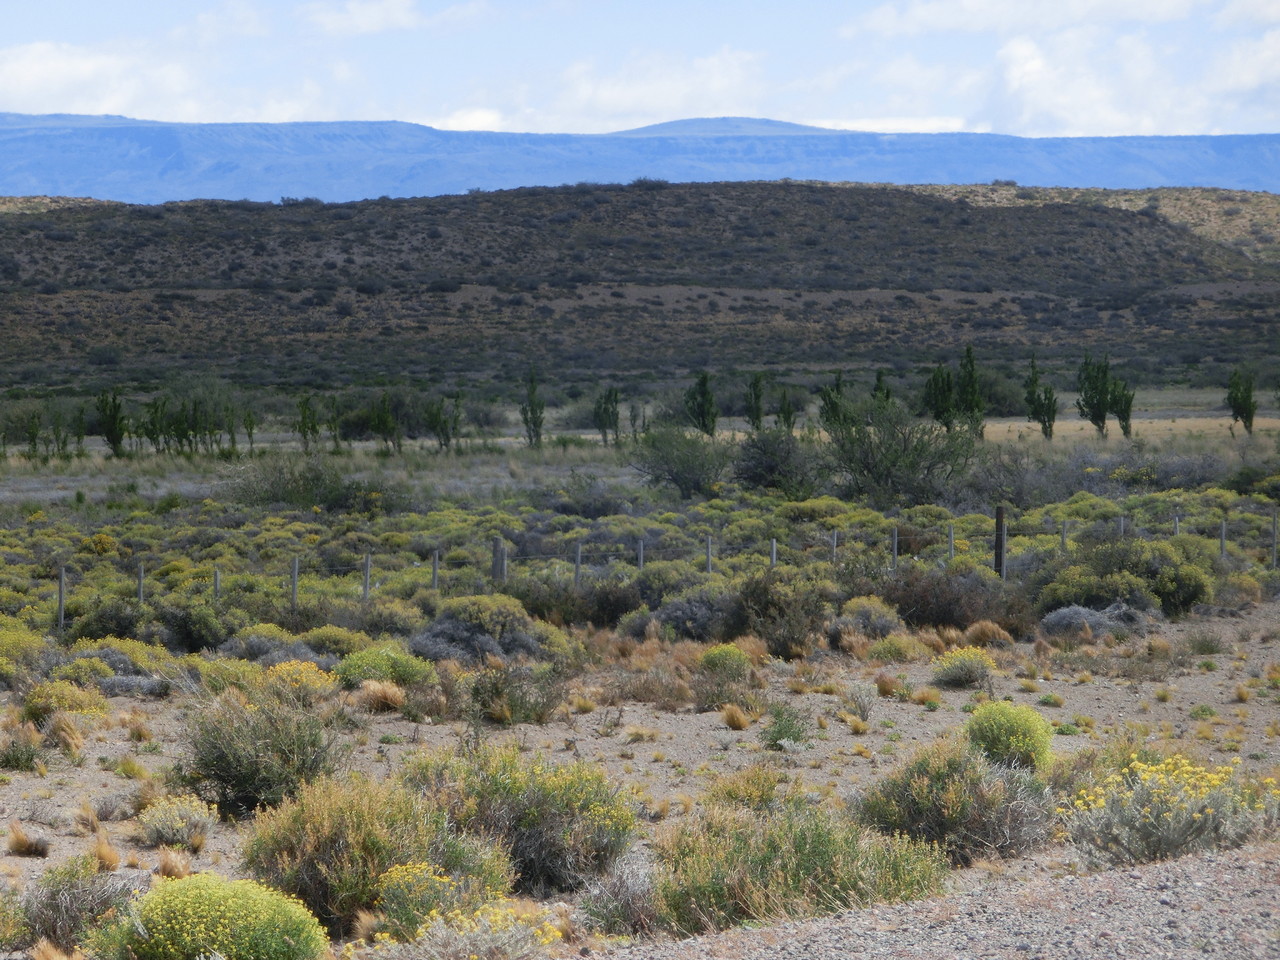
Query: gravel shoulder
{"x": 1224, "y": 904}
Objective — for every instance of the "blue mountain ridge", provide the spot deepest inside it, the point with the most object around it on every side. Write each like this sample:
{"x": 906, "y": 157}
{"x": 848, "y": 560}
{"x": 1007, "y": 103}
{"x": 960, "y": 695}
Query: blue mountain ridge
{"x": 140, "y": 161}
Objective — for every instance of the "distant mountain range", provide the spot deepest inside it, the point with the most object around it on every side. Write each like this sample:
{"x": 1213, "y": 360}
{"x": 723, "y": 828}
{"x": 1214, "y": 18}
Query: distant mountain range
{"x": 139, "y": 161}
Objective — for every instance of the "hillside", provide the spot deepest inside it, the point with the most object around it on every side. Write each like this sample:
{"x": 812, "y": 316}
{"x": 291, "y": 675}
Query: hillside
{"x": 141, "y": 161}
{"x": 646, "y": 279}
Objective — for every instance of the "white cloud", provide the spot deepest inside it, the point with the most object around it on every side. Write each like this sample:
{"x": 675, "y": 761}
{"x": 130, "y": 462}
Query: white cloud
{"x": 474, "y": 118}
{"x": 363, "y": 16}
{"x": 63, "y": 78}
{"x": 657, "y": 87}
{"x": 1250, "y": 65}
{"x": 1250, "y": 11}
{"x": 1012, "y": 16}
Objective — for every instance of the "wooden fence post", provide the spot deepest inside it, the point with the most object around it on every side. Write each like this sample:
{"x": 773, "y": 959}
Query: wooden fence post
{"x": 435, "y": 569}
{"x": 495, "y": 570}
{"x": 577, "y": 565}
{"x": 894, "y": 564}
{"x": 773, "y": 552}
{"x": 998, "y": 546}
{"x": 368, "y": 571}
{"x": 640, "y": 554}
{"x": 62, "y": 599}
{"x": 708, "y": 553}
{"x": 217, "y": 583}
{"x": 141, "y": 589}
{"x": 293, "y": 588}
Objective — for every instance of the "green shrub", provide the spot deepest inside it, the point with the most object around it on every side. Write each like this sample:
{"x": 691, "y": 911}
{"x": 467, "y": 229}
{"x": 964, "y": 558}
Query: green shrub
{"x": 754, "y": 787}
{"x": 787, "y": 729}
{"x": 728, "y": 866}
{"x": 560, "y": 823}
{"x": 721, "y": 677}
{"x": 518, "y": 693}
{"x": 50, "y": 696}
{"x": 182, "y": 821}
{"x": 496, "y": 931}
{"x": 329, "y": 845}
{"x": 409, "y": 893}
{"x": 245, "y": 753}
{"x": 336, "y": 640}
{"x": 1163, "y": 809}
{"x": 207, "y": 915}
{"x": 388, "y": 663}
{"x": 786, "y": 609}
{"x": 950, "y": 794}
{"x": 963, "y": 667}
{"x": 70, "y": 898}
{"x": 871, "y": 616}
{"x": 897, "y": 648}
{"x": 1012, "y": 733}
{"x": 726, "y": 661}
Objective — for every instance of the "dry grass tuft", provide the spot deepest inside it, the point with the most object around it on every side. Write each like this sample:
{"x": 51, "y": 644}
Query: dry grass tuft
{"x": 63, "y": 730}
{"x": 104, "y": 851}
{"x": 45, "y": 950}
{"x": 23, "y": 844}
{"x": 174, "y": 864}
{"x": 380, "y": 696}
{"x": 886, "y": 685}
{"x": 734, "y": 717}
{"x": 986, "y": 633}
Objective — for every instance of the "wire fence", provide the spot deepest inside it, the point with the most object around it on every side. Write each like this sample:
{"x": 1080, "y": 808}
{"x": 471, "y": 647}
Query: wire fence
{"x": 1252, "y": 535}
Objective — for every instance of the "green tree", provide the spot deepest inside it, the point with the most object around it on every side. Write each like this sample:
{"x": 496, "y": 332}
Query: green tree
{"x": 1240, "y": 398}
{"x": 442, "y": 419}
{"x": 700, "y": 405}
{"x": 755, "y": 401}
{"x": 889, "y": 456}
{"x": 1042, "y": 403}
{"x": 1120, "y": 403}
{"x": 532, "y": 410}
{"x": 691, "y": 462}
{"x": 880, "y": 389}
{"x": 970, "y": 404}
{"x": 785, "y": 418}
{"x": 112, "y": 422}
{"x": 308, "y": 423}
{"x": 604, "y": 415}
{"x": 940, "y": 396}
{"x": 1093, "y": 384}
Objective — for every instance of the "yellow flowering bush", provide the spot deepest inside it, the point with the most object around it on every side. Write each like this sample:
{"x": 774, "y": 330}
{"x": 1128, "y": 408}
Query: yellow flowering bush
{"x": 205, "y": 915}
{"x": 1158, "y": 811}
{"x": 962, "y": 667}
{"x": 299, "y": 681}
{"x": 181, "y": 821}
{"x": 48, "y": 697}
{"x": 491, "y": 931}
{"x": 410, "y": 893}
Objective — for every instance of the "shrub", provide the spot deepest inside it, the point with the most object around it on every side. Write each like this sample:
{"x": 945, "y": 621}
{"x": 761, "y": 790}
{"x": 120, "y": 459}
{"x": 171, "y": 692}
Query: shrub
{"x": 786, "y": 609}
{"x": 336, "y": 640}
{"x": 623, "y": 902}
{"x": 726, "y": 867}
{"x": 691, "y": 462}
{"x": 471, "y": 628}
{"x": 896, "y": 648}
{"x": 1160, "y": 810}
{"x": 949, "y": 794}
{"x": 182, "y": 821}
{"x": 246, "y": 753}
{"x": 985, "y": 633}
{"x": 298, "y": 682}
{"x": 20, "y": 748}
{"x": 411, "y": 892}
{"x": 388, "y": 663}
{"x": 721, "y": 677}
{"x": 871, "y": 616}
{"x": 787, "y": 729}
{"x": 496, "y": 930}
{"x": 68, "y": 899}
{"x": 560, "y": 823}
{"x": 962, "y": 667}
{"x": 48, "y": 697}
{"x": 754, "y": 787}
{"x": 329, "y": 845}
{"x": 518, "y": 693}
{"x": 1012, "y": 733}
{"x": 207, "y": 915}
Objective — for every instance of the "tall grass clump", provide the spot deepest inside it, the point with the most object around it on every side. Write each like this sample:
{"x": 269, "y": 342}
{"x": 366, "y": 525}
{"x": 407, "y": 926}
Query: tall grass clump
{"x": 256, "y": 750}
{"x": 950, "y": 794}
{"x": 1011, "y": 733}
{"x": 729, "y": 866}
{"x": 330, "y": 845}
{"x": 1168, "y": 808}
{"x": 205, "y": 915}
{"x": 181, "y": 821}
{"x": 68, "y": 899}
{"x": 561, "y": 824}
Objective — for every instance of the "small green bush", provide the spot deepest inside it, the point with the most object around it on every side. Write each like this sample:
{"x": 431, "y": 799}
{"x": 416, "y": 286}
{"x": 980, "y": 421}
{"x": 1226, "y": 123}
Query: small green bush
{"x": 787, "y": 729}
{"x": 496, "y": 931}
{"x": 207, "y": 915}
{"x": 721, "y": 677}
{"x": 336, "y": 640}
{"x": 729, "y": 866}
{"x": 561, "y": 824}
{"x": 949, "y": 794}
{"x": 871, "y": 616}
{"x": 70, "y": 898}
{"x": 181, "y": 821}
{"x": 1012, "y": 733}
{"x": 963, "y": 667}
{"x": 250, "y": 752}
{"x": 50, "y": 696}
{"x": 387, "y": 663}
{"x": 329, "y": 845}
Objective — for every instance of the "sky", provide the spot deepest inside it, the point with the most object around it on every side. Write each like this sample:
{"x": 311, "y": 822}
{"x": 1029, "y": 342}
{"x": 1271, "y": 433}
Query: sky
{"x": 1023, "y": 67}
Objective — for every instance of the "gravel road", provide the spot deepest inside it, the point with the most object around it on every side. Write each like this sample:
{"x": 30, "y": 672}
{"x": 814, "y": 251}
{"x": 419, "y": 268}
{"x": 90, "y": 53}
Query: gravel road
{"x": 1216, "y": 905}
